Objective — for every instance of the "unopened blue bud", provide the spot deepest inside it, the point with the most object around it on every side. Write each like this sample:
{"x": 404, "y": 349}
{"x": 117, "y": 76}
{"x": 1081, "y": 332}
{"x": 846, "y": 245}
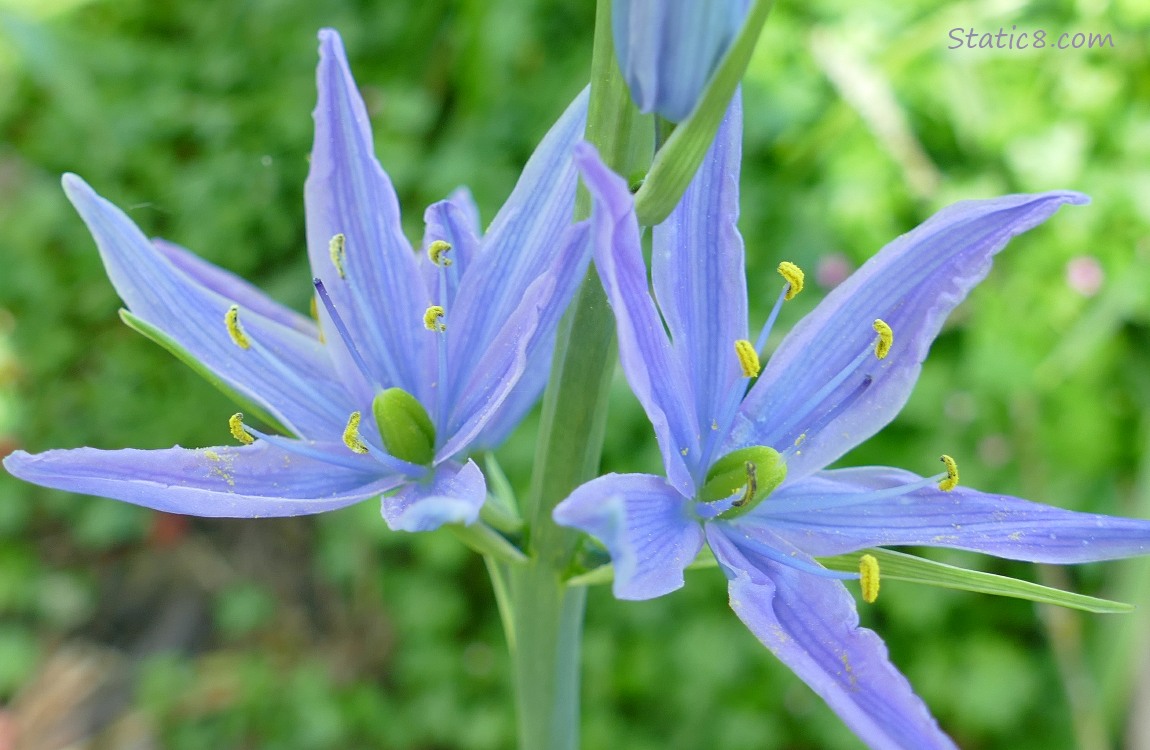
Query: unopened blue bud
{"x": 668, "y": 49}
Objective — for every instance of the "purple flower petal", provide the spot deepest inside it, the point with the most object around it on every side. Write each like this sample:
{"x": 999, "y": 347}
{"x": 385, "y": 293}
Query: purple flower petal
{"x": 818, "y": 516}
{"x": 668, "y": 49}
{"x": 232, "y": 287}
{"x": 521, "y": 243}
{"x": 454, "y": 494}
{"x": 656, "y": 376}
{"x": 514, "y": 387}
{"x": 381, "y": 298}
{"x": 645, "y": 524}
{"x": 700, "y": 282}
{"x": 289, "y": 374}
{"x": 251, "y": 481}
{"x": 811, "y": 624}
{"x": 913, "y": 284}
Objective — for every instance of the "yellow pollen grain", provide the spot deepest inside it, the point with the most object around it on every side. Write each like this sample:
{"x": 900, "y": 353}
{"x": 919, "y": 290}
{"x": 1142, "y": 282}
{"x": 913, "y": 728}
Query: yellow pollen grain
{"x": 236, "y": 425}
{"x": 794, "y": 276}
{"x": 437, "y": 251}
{"x": 433, "y": 319}
{"x": 235, "y": 330}
{"x": 750, "y": 488}
{"x": 868, "y": 570}
{"x": 335, "y": 250}
{"x": 951, "y": 481}
{"x": 351, "y": 436}
{"x": 885, "y": 338}
{"x": 748, "y": 358}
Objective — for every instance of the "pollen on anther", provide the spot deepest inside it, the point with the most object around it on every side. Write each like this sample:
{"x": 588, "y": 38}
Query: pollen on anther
{"x": 868, "y": 578}
{"x": 437, "y": 251}
{"x": 951, "y": 480}
{"x": 885, "y": 338}
{"x": 748, "y": 358}
{"x": 351, "y": 436}
{"x": 335, "y": 249}
{"x": 433, "y": 319}
{"x": 235, "y": 330}
{"x": 794, "y": 276}
{"x": 236, "y": 425}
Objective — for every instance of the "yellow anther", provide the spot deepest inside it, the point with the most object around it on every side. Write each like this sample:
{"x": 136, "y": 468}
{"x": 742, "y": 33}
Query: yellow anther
{"x": 235, "y": 330}
{"x": 351, "y": 436}
{"x": 236, "y": 425}
{"x": 885, "y": 338}
{"x": 750, "y": 488}
{"x": 794, "y": 276}
{"x": 433, "y": 319}
{"x": 951, "y": 481}
{"x": 437, "y": 251}
{"x": 868, "y": 570}
{"x": 335, "y": 248}
{"x": 748, "y": 358}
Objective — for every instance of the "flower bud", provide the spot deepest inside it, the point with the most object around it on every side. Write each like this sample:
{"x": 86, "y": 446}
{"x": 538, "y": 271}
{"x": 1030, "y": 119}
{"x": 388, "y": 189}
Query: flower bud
{"x": 668, "y": 49}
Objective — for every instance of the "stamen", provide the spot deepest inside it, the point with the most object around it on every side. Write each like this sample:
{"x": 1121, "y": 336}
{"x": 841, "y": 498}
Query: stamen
{"x": 751, "y": 487}
{"x": 433, "y": 319}
{"x": 794, "y": 276}
{"x": 235, "y": 330}
{"x": 885, "y": 338}
{"x": 344, "y": 334}
{"x": 951, "y": 480}
{"x": 437, "y": 252}
{"x": 236, "y": 425}
{"x": 351, "y": 436}
{"x": 335, "y": 249}
{"x": 748, "y": 358}
{"x": 301, "y": 448}
{"x": 835, "y": 500}
{"x": 868, "y": 578}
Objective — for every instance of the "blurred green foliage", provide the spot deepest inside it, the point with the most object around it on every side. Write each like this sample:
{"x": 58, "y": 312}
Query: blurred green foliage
{"x": 332, "y": 632}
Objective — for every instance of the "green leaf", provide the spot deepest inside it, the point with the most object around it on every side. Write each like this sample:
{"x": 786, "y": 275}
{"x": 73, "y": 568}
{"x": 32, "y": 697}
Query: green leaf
{"x": 501, "y": 509}
{"x": 899, "y": 566}
{"x": 676, "y": 163}
{"x": 487, "y": 542}
{"x": 246, "y": 404}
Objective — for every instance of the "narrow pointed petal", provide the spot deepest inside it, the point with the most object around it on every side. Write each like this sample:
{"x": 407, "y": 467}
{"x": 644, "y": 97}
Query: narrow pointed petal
{"x": 380, "y": 294}
{"x": 498, "y": 416}
{"x": 913, "y": 284}
{"x": 453, "y": 221}
{"x": 454, "y": 494}
{"x": 815, "y": 516}
{"x": 668, "y": 49}
{"x": 521, "y": 243}
{"x": 699, "y": 278}
{"x": 655, "y": 374}
{"x": 228, "y": 285}
{"x": 155, "y": 290}
{"x": 481, "y": 393}
{"x": 812, "y": 626}
{"x": 252, "y": 481}
{"x": 644, "y": 523}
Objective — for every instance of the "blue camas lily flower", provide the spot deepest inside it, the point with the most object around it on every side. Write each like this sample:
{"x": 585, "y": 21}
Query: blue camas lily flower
{"x": 417, "y": 359}
{"x": 668, "y": 49}
{"x": 744, "y": 447}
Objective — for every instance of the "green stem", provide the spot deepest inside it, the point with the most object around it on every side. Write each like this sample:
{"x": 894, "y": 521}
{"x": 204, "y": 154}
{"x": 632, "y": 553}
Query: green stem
{"x": 546, "y": 615}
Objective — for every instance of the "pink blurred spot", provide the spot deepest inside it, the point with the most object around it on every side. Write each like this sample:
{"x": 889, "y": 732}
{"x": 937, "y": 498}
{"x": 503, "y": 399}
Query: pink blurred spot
{"x": 1084, "y": 275}
{"x": 832, "y": 270}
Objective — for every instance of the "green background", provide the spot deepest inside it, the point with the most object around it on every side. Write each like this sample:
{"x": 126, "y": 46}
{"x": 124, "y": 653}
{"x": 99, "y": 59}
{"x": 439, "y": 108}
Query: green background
{"x": 331, "y": 632}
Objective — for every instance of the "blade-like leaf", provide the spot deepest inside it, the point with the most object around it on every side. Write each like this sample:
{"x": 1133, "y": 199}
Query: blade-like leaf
{"x": 249, "y": 407}
{"x": 678, "y": 160}
{"x": 899, "y": 566}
